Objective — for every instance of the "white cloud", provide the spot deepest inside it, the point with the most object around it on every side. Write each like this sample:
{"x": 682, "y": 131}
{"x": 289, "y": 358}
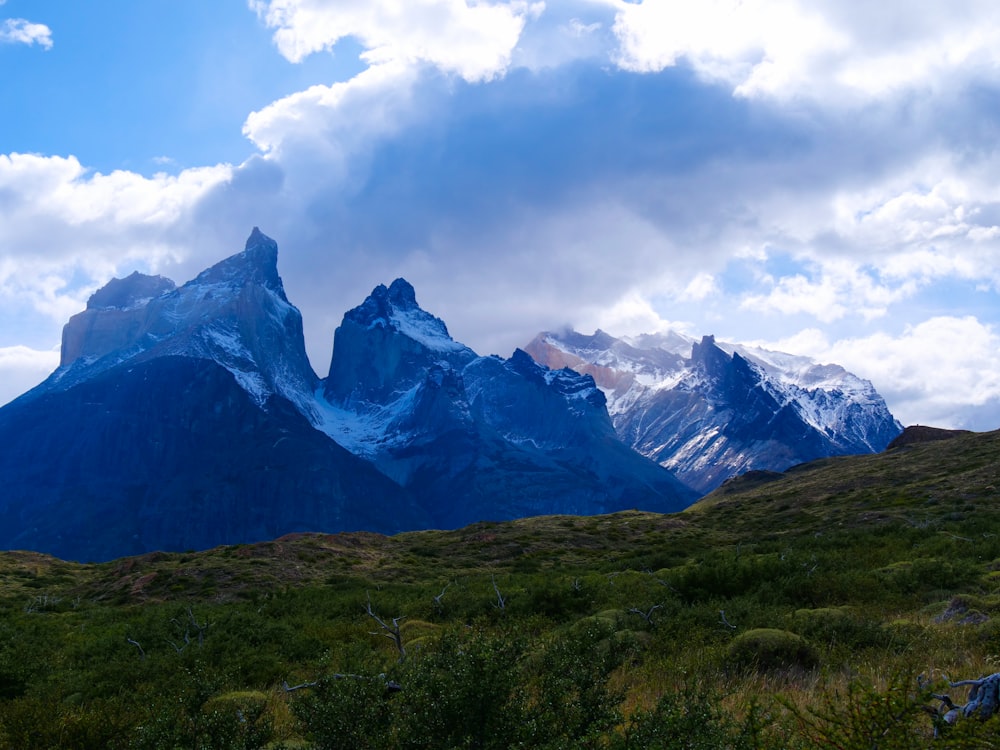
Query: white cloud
{"x": 21, "y": 31}
{"x": 754, "y": 45}
{"x": 60, "y": 187}
{"x": 474, "y": 41}
{"x": 944, "y": 371}
{"x": 860, "y": 250}
{"x": 631, "y": 315}
{"x": 936, "y": 220}
{"x": 795, "y": 48}
{"x": 338, "y": 122}
{"x": 701, "y": 286}
{"x": 67, "y": 230}
{"x": 841, "y": 288}
{"x": 22, "y": 368}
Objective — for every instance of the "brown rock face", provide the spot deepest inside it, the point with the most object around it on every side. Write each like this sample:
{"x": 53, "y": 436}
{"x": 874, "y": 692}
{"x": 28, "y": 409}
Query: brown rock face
{"x": 116, "y": 317}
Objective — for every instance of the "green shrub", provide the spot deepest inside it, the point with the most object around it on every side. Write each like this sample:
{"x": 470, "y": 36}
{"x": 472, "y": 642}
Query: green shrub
{"x": 695, "y": 722}
{"x": 765, "y": 649}
{"x": 839, "y": 626}
{"x": 866, "y": 717}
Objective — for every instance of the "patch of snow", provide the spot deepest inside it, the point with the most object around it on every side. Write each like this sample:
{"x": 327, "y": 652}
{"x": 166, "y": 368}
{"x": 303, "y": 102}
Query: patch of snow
{"x": 367, "y": 430}
{"x": 228, "y": 341}
{"x": 425, "y": 329}
{"x": 253, "y": 384}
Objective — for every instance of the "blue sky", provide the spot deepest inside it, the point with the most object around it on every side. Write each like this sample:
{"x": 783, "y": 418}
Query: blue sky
{"x": 818, "y": 177}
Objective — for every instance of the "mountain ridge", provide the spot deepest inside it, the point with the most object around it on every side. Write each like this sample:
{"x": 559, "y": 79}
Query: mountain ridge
{"x": 710, "y": 410}
{"x": 443, "y": 421}
{"x": 410, "y": 429}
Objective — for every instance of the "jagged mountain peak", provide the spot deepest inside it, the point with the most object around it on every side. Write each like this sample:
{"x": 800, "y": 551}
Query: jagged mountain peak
{"x": 257, "y": 264}
{"x": 402, "y": 296}
{"x": 707, "y": 357}
{"x": 235, "y": 314}
{"x": 134, "y": 290}
{"x": 394, "y": 310}
{"x": 566, "y": 381}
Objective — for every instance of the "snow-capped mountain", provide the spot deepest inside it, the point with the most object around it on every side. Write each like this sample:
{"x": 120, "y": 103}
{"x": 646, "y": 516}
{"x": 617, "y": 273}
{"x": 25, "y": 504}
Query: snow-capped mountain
{"x": 235, "y": 314}
{"x": 477, "y": 437}
{"x": 182, "y": 418}
{"x": 186, "y": 417}
{"x": 712, "y": 410}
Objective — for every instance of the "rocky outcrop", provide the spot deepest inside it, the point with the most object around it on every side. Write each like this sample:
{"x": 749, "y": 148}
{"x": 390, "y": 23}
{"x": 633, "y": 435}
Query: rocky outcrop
{"x": 235, "y": 314}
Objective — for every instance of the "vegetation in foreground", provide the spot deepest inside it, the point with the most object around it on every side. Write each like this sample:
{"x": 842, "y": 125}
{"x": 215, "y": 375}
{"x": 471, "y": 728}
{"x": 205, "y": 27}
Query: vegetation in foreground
{"x": 791, "y": 612}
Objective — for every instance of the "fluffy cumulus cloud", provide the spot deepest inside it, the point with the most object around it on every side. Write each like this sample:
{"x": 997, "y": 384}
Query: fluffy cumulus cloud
{"x": 474, "y": 40}
{"x": 20, "y": 31}
{"x": 66, "y": 230}
{"x": 336, "y": 123}
{"x": 790, "y": 48}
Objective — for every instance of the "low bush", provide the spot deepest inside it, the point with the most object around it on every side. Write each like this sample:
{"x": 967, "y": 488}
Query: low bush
{"x": 766, "y": 649}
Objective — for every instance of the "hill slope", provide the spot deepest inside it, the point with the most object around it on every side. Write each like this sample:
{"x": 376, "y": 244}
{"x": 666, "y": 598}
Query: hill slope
{"x": 789, "y": 611}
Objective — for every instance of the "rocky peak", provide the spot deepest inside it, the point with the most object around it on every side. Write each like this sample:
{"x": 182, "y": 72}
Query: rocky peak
{"x": 234, "y": 313}
{"x": 402, "y": 296}
{"x": 257, "y": 264}
{"x": 387, "y": 343}
{"x": 385, "y": 302}
{"x": 132, "y": 291}
{"x": 396, "y": 308}
{"x": 707, "y": 357}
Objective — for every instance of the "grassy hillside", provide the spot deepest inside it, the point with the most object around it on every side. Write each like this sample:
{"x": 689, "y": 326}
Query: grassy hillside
{"x": 783, "y": 611}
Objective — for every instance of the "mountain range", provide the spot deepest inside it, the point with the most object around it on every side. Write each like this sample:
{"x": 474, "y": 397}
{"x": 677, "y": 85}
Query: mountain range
{"x": 183, "y": 417}
{"x": 709, "y": 410}
{"x": 187, "y": 417}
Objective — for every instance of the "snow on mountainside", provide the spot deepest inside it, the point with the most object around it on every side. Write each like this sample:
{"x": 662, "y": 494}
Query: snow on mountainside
{"x": 234, "y": 313}
{"x": 184, "y": 418}
{"x": 187, "y": 417}
{"x": 712, "y": 410}
{"x": 477, "y": 437}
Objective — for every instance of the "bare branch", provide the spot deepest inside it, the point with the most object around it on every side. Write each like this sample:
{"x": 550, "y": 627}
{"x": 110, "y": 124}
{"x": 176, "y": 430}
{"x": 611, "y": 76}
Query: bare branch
{"x": 389, "y": 631}
{"x": 439, "y": 597}
{"x": 142, "y": 653}
{"x": 724, "y": 621}
{"x": 200, "y": 628}
{"x": 647, "y": 615}
{"x": 501, "y": 602}
{"x": 984, "y": 700}
{"x": 390, "y": 685}
{"x": 186, "y": 626}
{"x": 178, "y": 648}
{"x": 291, "y": 688}
{"x": 956, "y": 536}
{"x": 660, "y": 581}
